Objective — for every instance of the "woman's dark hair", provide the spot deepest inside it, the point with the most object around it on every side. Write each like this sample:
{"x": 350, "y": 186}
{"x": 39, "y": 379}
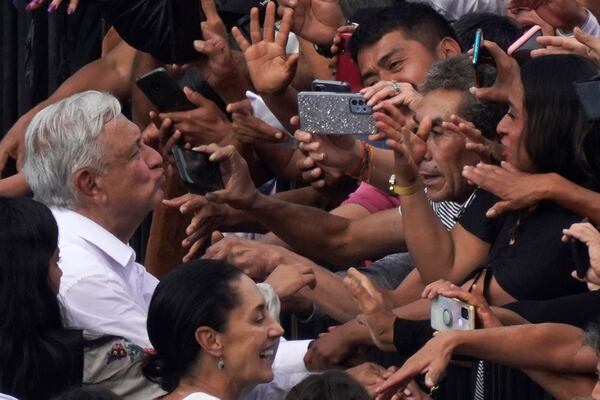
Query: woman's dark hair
{"x": 500, "y": 29}
{"x": 198, "y": 293}
{"x": 557, "y": 135}
{"x": 330, "y": 385}
{"x": 33, "y": 364}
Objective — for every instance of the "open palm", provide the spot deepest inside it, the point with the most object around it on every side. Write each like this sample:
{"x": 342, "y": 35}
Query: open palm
{"x": 270, "y": 69}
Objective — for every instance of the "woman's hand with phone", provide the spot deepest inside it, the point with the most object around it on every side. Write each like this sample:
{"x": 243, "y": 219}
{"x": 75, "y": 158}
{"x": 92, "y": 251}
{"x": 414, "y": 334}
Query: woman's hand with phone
{"x": 240, "y": 191}
{"x": 508, "y": 87}
{"x": 588, "y": 234}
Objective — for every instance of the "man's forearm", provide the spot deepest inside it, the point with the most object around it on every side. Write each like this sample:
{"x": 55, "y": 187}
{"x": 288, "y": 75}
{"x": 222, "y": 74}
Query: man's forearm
{"x": 431, "y": 246}
{"x": 550, "y": 347}
{"x": 331, "y": 295}
{"x": 308, "y": 230}
{"x": 573, "y": 197}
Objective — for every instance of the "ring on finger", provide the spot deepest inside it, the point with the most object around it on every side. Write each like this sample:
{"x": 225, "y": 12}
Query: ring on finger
{"x": 396, "y": 87}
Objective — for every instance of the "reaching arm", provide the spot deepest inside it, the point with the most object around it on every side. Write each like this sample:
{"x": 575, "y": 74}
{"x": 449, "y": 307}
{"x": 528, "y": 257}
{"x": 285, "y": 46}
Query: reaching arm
{"x": 115, "y": 70}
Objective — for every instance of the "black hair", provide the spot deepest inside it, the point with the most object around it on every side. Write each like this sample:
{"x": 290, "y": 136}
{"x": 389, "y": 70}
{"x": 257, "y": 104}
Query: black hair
{"x": 86, "y": 394}
{"x": 33, "y": 363}
{"x": 354, "y": 10}
{"x": 457, "y": 73}
{"x": 500, "y": 29}
{"x": 330, "y": 385}
{"x": 557, "y": 135}
{"x": 198, "y": 293}
{"x": 417, "y": 21}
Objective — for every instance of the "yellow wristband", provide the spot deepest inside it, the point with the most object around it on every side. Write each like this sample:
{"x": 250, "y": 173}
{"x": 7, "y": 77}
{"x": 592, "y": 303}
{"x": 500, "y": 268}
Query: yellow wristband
{"x": 404, "y": 190}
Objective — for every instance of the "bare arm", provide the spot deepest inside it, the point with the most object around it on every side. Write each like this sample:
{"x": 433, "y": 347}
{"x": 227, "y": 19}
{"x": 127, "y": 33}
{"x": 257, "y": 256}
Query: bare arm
{"x": 564, "y": 386}
{"x": 325, "y": 236}
{"x": 439, "y": 254}
{"x": 547, "y": 347}
{"x": 114, "y": 68}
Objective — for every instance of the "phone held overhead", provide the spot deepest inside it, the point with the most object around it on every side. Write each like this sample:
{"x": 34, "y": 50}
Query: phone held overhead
{"x": 162, "y": 90}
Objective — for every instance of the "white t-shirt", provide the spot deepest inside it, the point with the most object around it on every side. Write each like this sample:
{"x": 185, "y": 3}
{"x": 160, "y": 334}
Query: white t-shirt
{"x": 200, "y": 396}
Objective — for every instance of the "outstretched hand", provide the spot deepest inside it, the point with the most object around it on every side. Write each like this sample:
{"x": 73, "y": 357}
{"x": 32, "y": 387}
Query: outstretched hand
{"x": 518, "y": 190}
{"x": 288, "y": 279}
{"x": 374, "y": 313}
{"x": 588, "y": 234}
{"x": 508, "y": 87}
{"x": 489, "y": 151}
{"x": 239, "y": 191}
{"x": 582, "y": 43}
{"x": 314, "y": 20}
{"x": 206, "y": 217}
{"x": 409, "y": 149}
{"x": 53, "y": 6}
{"x": 432, "y": 360}
{"x": 202, "y": 125}
{"x": 270, "y": 69}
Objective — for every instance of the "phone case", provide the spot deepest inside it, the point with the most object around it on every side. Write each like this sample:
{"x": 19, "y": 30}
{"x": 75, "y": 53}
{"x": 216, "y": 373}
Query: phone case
{"x": 588, "y": 93}
{"x": 520, "y": 50}
{"x": 322, "y": 85}
{"x": 335, "y": 113}
{"x": 451, "y": 314}
{"x": 162, "y": 90}
{"x": 581, "y": 257}
{"x": 197, "y": 173}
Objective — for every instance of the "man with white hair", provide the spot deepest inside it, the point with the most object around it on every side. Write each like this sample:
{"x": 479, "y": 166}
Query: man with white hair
{"x": 88, "y": 163}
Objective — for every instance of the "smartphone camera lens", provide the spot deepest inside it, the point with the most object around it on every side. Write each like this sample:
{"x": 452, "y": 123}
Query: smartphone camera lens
{"x": 464, "y": 313}
{"x": 361, "y": 102}
{"x": 354, "y": 102}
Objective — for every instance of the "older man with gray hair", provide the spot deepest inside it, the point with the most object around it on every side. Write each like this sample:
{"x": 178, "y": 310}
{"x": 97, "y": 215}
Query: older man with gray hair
{"x": 88, "y": 163}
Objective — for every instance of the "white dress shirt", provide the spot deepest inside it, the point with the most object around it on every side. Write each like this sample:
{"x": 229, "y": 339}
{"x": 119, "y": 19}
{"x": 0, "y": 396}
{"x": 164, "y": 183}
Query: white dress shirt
{"x": 102, "y": 289}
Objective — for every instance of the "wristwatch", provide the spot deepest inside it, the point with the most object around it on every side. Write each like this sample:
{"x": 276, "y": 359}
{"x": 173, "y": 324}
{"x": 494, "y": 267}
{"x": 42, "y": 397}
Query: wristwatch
{"x": 398, "y": 190}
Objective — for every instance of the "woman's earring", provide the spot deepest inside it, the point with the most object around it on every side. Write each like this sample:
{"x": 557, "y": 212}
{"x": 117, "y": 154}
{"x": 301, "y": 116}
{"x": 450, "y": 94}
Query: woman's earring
{"x": 221, "y": 363}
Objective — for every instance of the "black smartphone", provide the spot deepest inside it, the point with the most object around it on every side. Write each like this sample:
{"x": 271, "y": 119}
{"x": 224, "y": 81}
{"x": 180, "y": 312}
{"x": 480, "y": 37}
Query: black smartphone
{"x": 588, "y": 93}
{"x": 520, "y": 50}
{"x": 323, "y": 85}
{"x": 198, "y": 174}
{"x": 581, "y": 257}
{"x": 162, "y": 90}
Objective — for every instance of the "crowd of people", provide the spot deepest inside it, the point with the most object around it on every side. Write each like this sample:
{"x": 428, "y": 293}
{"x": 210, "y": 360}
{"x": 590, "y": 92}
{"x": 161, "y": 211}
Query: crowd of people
{"x": 477, "y": 186}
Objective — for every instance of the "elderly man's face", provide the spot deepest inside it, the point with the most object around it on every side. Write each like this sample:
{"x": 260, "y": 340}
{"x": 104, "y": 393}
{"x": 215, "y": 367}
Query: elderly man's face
{"x": 441, "y": 169}
{"x": 395, "y": 57}
{"x": 134, "y": 178}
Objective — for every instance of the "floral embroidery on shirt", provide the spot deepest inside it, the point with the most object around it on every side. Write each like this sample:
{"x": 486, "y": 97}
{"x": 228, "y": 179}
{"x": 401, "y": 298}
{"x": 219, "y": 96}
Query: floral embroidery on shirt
{"x": 121, "y": 350}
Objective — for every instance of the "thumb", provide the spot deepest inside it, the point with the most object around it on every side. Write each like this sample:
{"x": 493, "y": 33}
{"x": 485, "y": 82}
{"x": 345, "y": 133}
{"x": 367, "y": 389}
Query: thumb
{"x": 292, "y": 61}
{"x": 424, "y": 129}
{"x": 216, "y": 237}
{"x": 498, "y": 209}
{"x": 309, "y": 280}
{"x": 241, "y": 107}
{"x": 591, "y": 41}
{"x": 508, "y": 166}
{"x": 195, "y": 97}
